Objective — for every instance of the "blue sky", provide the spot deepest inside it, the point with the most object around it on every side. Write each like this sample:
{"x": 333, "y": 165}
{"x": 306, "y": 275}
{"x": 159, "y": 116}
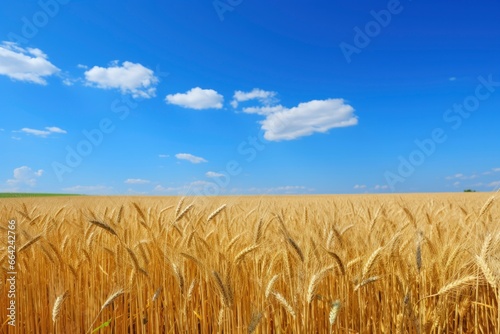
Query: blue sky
{"x": 249, "y": 97}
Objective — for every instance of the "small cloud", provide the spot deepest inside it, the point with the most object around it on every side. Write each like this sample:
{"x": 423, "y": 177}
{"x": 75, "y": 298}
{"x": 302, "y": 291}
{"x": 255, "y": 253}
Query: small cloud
{"x": 99, "y": 189}
{"x": 137, "y": 181}
{"x": 264, "y": 97}
{"x": 213, "y": 174}
{"x": 381, "y": 187}
{"x": 456, "y": 176}
{"x": 43, "y": 133}
{"x": 197, "y": 98}
{"x": 496, "y": 170}
{"x": 16, "y": 138}
{"x": 461, "y": 176}
{"x": 163, "y": 156}
{"x": 82, "y": 66}
{"x": 25, "y": 64}
{"x": 281, "y": 190}
{"x": 195, "y": 187}
{"x": 452, "y": 78}
{"x": 55, "y": 129}
{"x": 129, "y": 78}
{"x": 494, "y": 184}
{"x": 360, "y": 186}
{"x": 68, "y": 82}
{"x": 456, "y": 184}
{"x": 25, "y": 176}
{"x": 189, "y": 157}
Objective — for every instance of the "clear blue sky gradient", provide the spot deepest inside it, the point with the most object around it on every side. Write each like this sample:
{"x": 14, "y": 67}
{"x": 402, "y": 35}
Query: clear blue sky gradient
{"x": 406, "y": 76}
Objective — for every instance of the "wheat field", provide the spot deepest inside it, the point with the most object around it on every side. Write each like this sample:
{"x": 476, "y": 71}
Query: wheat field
{"x": 419, "y": 263}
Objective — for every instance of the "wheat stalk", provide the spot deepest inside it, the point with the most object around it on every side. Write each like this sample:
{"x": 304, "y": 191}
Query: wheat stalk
{"x": 334, "y": 311}
{"x": 29, "y": 243}
{"x": 179, "y": 206}
{"x": 183, "y": 213}
{"x": 366, "y": 281}
{"x": 296, "y": 248}
{"x": 270, "y": 284}
{"x": 254, "y": 322}
{"x": 56, "y": 310}
{"x": 487, "y": 272}
{"x": 104, "y": 226}
{"x": 216, "y": 212}
{"x": 313, "y": 284}
{"x": 112, "y": 298}
{"x": 244, "y": 252}
{"x": 284, "y": 303}
{"x": 485, "y": 249}
{"x": 486, "y": 206}
{"x": 371, "y": 261}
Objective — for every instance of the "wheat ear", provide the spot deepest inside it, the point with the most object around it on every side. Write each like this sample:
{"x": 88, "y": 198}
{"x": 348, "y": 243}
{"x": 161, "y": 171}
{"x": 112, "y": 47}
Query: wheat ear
{"x": 56, "y": 310}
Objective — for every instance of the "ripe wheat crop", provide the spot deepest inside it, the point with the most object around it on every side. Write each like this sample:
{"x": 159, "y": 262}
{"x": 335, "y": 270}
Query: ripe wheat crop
{"x": 425, "y": 263}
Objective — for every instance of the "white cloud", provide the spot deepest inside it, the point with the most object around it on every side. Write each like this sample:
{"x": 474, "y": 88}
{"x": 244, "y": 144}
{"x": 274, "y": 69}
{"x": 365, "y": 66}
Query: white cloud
{"x": 43, "y": 133}
{"x": 456, "y": 184}
{"x": 25, "y": 176}
{"x": 263, "y": 96}
{"x": 197, "y": 98}
{"x": 496, "y": 170}
{"x": 381, "y": 187}
{"x": 163, "y": 156}
{"x": 136, "y": 181}
{"x": 213, "y": 174}
{"x": 360, "y": 186}
{"x": 281, "y": 190}
{"x": 25, "y": 64}
{"x": 55, "y": 129}
{"x": 267, "y": 110}
{"x": 305, "y": 119}
{"x": 88, "y": 189}
{"x": 129, "y": 78}
{"x": 189, "y": 157}
{"x": 456, "y": 176}
{"x": 452, "y": 78}
{"x": 195, "y": 187}
{"x": 494, "y": 184}
{"x": 461, "y": 176}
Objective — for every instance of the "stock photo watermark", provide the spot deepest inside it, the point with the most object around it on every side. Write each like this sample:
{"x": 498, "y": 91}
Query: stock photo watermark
{"x": 248, "y": 150}
{"x": 363, "y": 36}
{"x": 454, "y": 118}
{"x": 223, "y": 6}
{"x": 11, "y": 272}
{"x": 31, "y": 25}
{"x": 93, "y": 138}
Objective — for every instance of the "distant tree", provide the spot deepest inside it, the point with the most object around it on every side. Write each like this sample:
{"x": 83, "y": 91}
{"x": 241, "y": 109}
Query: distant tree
{"x": 469, "y": 191}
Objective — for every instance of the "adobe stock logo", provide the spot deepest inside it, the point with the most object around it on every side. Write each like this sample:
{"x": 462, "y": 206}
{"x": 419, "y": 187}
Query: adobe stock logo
{"x": 452, "y": 117}
{"x": 93, "y": 138}
{"x": 223, "y": 6}
{"x": 32, "y": 25}
{"x": 363, "y": 37}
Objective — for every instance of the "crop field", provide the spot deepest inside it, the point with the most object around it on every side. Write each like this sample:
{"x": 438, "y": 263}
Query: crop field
{"x": 417, "y": 263}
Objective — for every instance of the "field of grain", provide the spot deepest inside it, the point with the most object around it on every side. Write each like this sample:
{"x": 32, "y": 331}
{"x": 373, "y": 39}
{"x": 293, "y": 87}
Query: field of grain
{"x": 426, "y": 263}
